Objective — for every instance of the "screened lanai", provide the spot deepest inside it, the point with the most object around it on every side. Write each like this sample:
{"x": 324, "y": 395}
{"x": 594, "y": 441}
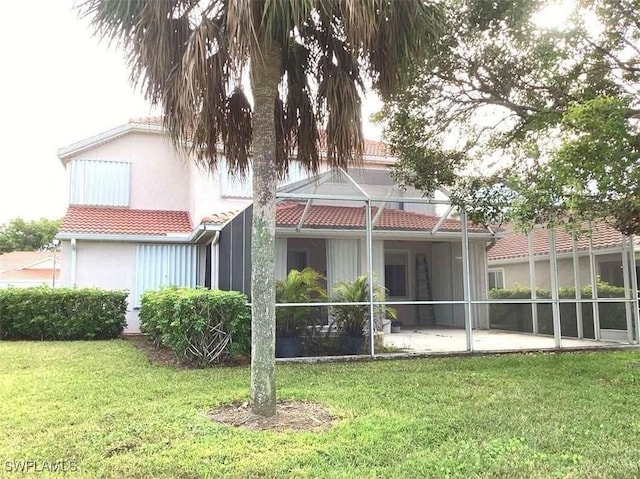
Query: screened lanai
{"x": 440, "y": 291}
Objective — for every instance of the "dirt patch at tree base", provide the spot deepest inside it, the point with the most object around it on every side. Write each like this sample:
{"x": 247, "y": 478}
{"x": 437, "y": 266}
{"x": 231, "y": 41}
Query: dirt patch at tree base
{"x": 164, "y": 356}
{"x": 290, "y": 416}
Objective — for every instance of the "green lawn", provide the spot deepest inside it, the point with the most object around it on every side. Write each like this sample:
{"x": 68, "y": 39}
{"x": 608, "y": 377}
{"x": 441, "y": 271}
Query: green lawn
{"x": 103, "y": 405}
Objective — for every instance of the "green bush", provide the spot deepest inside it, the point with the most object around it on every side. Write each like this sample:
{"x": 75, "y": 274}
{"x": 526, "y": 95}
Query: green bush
{"x": 201, "y": 326}
{"x": 517, "y": 317}
{"x": 62, "y": 313}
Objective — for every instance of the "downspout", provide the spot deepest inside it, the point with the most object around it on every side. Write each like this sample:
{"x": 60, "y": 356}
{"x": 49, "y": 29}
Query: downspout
{"x": 215, "y": 259}
{"x": 74, "y": 257}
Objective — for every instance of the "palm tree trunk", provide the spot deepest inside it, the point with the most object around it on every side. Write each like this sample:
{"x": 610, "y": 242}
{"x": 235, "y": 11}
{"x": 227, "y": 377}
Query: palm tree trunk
{"x": 265, "y": 76}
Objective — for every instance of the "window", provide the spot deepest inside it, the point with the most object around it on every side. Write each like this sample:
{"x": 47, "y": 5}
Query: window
{"x": 100, "y": 183}
{"x": 611, "y": 272}
{"x": 297, "y": 259}
{"x": 396, "y": 274}
{"x": 496, "y": 279}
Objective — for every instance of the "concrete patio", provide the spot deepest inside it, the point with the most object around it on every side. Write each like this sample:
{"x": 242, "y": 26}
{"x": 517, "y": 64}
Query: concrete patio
{"x": 451, "y": 339}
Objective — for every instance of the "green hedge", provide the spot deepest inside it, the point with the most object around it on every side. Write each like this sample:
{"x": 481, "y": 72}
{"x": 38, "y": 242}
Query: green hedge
{"x": 201, "y": 326}
{"x": 62, "y": 313}
{"x": 517, "y": 317}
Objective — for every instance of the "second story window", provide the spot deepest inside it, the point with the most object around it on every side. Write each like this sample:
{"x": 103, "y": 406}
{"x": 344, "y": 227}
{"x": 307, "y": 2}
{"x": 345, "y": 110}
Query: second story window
{"x": 99, "y": 183}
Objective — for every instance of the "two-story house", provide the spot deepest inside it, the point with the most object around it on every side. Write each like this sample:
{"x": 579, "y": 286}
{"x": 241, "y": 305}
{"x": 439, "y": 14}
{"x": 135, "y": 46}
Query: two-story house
{"x": 142, "y": 215}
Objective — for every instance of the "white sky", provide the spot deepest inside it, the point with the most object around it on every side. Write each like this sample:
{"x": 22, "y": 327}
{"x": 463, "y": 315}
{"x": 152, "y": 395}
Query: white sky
{"x": 58, "y": 85}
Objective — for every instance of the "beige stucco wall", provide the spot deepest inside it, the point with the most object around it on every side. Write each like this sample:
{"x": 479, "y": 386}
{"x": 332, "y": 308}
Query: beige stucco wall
{"x": 159, "y": 174}
{"x": 518, "y": 273}
{"x": 65, "y": 264}
{"x": 101, "y": 264}
{"x": 205, "y": 194}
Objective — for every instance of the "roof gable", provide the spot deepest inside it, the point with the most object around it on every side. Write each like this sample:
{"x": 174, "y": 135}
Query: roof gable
{"x": 154, "y": 124}
{"x": 18, "y": 260}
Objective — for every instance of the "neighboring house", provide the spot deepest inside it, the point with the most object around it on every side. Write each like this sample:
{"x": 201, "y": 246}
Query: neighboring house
{"x": 23, "y": 269}
{"x": 143, "y": 214}
{"x": 508, "y": 259}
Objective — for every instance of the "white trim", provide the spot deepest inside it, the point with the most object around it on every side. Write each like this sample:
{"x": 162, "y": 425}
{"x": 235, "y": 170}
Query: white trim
{"x": 195, "y": 236}
{"x": 34, "y": 263}
{"x": 80, "y": 146}
{"x": 291, "y": 232}
{"x": 74, "y": 262}
{"x": 496, "y": 270}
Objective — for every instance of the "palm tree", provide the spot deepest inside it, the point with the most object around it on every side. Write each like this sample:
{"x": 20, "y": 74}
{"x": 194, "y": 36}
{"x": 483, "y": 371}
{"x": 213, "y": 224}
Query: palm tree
{"x": 307, "y": 62}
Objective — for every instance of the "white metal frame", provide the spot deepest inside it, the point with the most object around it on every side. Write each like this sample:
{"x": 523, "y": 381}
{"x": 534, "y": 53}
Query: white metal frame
{"x": 630, "y": 300}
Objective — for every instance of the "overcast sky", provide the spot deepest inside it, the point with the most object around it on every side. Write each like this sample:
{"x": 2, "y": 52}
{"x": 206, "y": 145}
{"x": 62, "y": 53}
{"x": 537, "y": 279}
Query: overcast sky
{"x": 58, "y": 85}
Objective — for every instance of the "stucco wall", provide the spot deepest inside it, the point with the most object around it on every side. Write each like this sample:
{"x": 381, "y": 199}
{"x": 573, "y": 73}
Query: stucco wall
{"x": 518, "y": 273}
{"x": 204, "y": 194}
{"x": 159, "y": 175}
{"x": 106, "y": 265}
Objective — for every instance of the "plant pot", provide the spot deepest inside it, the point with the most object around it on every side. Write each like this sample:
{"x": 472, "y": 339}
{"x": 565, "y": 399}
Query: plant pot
{"x": 288, "y": 347}
{"x": 396, "y": 326}
{"x": 353, "y": 344}
{"x": 386, "y": 326}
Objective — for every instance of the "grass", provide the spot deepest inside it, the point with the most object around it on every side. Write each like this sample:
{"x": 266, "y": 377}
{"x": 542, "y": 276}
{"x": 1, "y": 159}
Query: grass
{"x": 105, "y": 407}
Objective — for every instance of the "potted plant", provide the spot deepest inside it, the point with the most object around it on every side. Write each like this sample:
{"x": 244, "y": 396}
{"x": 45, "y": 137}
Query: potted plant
{"x": 352, "y": 320}
{"x": 298, "y": 287}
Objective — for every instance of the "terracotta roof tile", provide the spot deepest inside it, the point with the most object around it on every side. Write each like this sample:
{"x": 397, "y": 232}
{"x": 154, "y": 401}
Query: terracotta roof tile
{"x": 516, "y": 245}
{"x": 371, "y": 147}
{"x": 218, "y": 218}
{"x": 343, "y": 217}
{"x": 89, "y": 219}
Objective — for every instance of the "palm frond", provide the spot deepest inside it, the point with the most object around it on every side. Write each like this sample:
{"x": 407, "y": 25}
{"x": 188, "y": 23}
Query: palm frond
{"x": 237, "y": 141}
{"x": 405, "y": 33}
{"x": 297, "y": 119}
{"x": 190, "y": 55}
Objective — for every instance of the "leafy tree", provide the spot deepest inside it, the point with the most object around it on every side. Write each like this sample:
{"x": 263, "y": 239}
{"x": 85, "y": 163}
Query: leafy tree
{"x": 22, "y": 235}
{"x": 546, "y": 116}
{"x": 307, "y": 62}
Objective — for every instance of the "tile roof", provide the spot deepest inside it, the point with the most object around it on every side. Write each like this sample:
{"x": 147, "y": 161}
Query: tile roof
{"x": 218, "y": 218}
{"x": 344, "y": 217}
{"x": 19, "y": 259}
{"x": 371, "y": 147}
{"x": 91, "y": 219}
{"x": 516, "y": 245}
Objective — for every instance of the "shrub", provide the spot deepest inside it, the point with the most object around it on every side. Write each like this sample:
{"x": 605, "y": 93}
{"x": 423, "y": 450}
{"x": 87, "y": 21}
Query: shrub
{"x": 517, "y": 317}
{"x": 201, "y": 326}
{"x": 61, "y": 314}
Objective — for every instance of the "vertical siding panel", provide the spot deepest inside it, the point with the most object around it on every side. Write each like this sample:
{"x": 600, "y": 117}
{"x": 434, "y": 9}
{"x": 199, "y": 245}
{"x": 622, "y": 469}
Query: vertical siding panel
{"x": 104, "y": 183}
{"x": 164, "y": 265}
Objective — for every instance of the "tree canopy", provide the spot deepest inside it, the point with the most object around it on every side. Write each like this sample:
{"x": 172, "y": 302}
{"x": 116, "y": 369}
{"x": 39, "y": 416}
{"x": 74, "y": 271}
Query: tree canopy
{"x": 22, "y": 235}
{"x": 307, "y": 61}
{"x": 540, "y": 116}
